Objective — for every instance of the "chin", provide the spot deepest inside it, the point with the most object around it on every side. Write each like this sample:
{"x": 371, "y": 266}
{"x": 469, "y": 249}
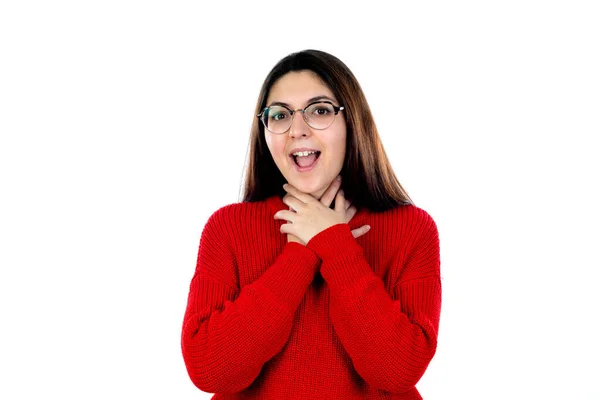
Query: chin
{"x": 308, "y": 187}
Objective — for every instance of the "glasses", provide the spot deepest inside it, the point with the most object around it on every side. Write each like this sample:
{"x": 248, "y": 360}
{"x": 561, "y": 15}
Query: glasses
{"x": 319, "y": 115}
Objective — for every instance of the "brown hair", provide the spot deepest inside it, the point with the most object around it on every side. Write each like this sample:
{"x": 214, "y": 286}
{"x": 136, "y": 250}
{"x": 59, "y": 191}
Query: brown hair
{"x": 367, "y": 176}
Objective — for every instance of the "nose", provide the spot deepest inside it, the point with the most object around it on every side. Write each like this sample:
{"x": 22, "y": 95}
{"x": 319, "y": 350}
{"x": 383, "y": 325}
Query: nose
{"x": 299, "y": 126}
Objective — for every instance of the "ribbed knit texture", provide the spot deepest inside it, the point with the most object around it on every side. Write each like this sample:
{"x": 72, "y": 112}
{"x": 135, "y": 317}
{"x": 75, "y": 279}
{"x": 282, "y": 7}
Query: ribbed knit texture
{"x": 339, "y": 318}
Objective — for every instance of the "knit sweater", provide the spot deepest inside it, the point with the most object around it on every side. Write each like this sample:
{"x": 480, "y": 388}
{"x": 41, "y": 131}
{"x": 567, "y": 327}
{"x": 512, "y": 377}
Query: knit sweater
{"x": 337, "y": 318}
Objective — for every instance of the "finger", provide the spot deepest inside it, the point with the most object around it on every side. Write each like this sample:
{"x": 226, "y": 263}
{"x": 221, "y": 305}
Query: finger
{"x": 347, "y": 205}
{"x": 360, "y": 231}
{"x": 350, "y": 213}
{"x": 340, "y": 201}
{"x": 286, "y": 228}
{"x": 331, "y": 191}
{"x": 293, "y": 202}
{"x": 285, "y": 215}
{"x": 304, "y": 197}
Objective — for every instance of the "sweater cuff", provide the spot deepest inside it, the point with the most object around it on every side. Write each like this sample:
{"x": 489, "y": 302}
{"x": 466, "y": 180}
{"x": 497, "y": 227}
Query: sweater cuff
{"x": 344, "y": 262}
{"x": 291, "y": 274}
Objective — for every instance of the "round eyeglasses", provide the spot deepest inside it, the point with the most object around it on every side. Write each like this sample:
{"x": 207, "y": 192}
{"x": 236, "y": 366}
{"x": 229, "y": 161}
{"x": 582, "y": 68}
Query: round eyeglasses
{"x": 318, "y": 115}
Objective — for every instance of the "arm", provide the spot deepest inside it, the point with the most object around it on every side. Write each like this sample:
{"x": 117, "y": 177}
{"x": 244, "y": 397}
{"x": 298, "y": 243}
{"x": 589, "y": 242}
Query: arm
{"x": 229, "y": 334}
{"x": 390, "y": 338}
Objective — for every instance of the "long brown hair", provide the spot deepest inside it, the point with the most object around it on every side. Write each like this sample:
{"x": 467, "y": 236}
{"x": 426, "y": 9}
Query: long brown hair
{"x": 367, "y": 176}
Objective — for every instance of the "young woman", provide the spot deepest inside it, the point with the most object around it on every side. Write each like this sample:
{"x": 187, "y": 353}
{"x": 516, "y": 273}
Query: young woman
{"x": 298, "y": 292}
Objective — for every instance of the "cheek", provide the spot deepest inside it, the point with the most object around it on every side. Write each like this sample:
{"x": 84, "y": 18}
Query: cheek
{"x": 339, "y": 146}
{"x": 269, "y": 141}
{"x": 340, "y": 153}
{"x": 276, "y": 147}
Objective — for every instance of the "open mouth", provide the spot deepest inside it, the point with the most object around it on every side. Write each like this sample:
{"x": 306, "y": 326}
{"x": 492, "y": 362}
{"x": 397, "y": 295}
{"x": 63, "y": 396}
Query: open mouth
{"x": 306, "y": 162}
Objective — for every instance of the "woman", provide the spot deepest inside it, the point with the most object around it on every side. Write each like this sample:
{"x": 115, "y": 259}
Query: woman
{"x": 293, "y": 295}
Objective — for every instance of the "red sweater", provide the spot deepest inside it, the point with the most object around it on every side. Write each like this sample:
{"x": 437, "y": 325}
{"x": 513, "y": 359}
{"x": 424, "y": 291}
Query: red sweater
{"x": 339, "y": 318}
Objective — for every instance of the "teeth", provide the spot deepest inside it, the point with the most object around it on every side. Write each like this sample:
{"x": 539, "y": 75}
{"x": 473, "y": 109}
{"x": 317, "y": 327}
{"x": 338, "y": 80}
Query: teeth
{"x": 303, "y": 153}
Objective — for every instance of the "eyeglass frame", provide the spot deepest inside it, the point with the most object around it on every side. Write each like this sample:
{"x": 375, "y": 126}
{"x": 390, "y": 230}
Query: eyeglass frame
{"x": 336, "y": 110}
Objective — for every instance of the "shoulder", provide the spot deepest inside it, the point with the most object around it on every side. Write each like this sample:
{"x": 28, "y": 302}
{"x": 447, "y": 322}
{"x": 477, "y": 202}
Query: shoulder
{"x": 406, "y": 228}
{"x": 410, "y": 218}
{"x": 238, "y": 212}
{"x": 418, "y": 217}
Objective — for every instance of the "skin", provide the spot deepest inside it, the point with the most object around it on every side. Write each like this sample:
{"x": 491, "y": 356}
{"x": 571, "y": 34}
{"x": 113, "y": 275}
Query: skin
{"x": 309, "y": 194}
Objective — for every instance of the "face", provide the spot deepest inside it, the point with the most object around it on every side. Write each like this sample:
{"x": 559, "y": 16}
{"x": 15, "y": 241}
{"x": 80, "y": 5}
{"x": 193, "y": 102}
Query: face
{"x": 295, "y": 89}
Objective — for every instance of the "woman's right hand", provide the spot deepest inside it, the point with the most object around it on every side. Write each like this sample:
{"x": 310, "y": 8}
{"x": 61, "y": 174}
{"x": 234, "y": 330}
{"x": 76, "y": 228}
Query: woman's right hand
{"x": 326, "y": 199}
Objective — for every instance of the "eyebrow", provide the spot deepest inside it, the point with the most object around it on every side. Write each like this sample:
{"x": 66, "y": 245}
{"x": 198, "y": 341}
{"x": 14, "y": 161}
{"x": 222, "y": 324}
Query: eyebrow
{"x": 311, "y": 100}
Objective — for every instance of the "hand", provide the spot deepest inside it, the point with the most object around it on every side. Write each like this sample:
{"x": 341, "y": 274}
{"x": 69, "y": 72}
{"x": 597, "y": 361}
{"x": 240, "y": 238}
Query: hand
{"x": 326, "y": 199}
{"x": 329, "y": 195}
{"x": 292, "y": 238}
{"x": 310, "y": 216}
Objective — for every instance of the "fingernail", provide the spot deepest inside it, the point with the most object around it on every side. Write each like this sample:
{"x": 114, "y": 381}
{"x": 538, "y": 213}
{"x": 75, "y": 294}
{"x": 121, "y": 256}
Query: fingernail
{"x": 368, "y": 227}
{"x": 339, "y": 178}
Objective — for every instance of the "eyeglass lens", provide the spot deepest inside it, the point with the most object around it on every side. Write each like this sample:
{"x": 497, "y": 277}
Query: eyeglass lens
{"x": 278, "y": 119}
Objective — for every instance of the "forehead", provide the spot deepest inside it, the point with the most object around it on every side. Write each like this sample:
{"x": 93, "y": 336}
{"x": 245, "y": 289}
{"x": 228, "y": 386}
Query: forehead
{"x": 297, "y": 87}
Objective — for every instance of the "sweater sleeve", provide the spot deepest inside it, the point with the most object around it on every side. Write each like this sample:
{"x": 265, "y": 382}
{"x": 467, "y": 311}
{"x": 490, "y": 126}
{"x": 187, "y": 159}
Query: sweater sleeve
{"x": 228, "y": 334}
{"x": 390, "y": 337}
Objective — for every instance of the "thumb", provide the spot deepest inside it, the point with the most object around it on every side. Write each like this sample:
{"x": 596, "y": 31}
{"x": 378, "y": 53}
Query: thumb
{"x": 340, "y": 202}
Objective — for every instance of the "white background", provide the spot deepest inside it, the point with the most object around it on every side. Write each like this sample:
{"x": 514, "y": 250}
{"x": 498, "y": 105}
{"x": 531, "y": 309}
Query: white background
{"x": 111, "y": 161}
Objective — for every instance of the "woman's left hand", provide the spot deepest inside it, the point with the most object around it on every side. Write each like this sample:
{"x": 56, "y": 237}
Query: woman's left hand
{"x": 310, "y": 216}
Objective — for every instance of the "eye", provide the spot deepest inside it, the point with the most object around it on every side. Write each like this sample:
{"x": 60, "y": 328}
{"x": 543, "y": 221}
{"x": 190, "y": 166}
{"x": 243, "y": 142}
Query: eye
{"x": 321, "y": 111}
{"x": 278, "y": 116}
